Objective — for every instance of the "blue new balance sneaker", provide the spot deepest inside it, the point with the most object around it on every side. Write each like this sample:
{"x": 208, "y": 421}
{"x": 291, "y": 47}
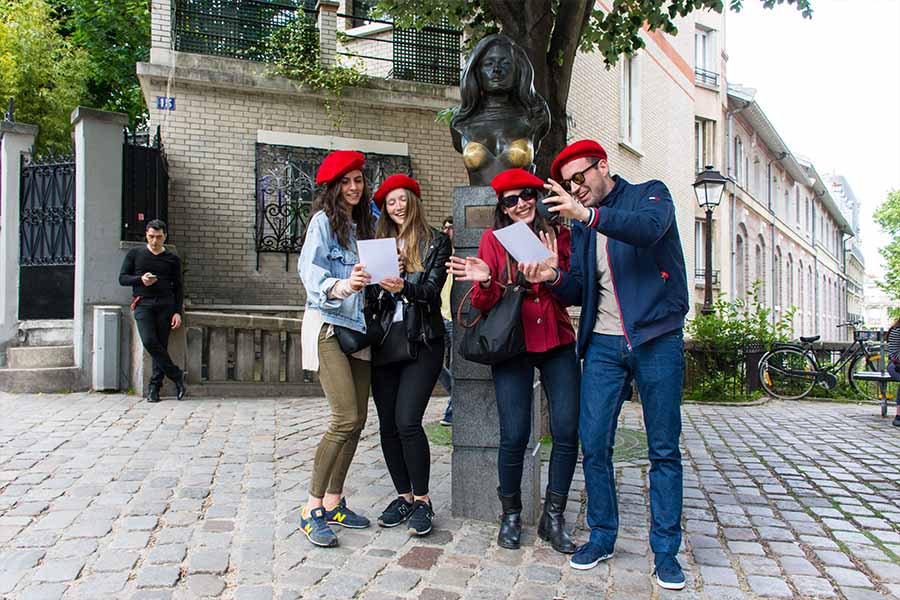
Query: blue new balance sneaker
{"x": 589, "y": 555}
{"x": 317, "y": 530}
{"x": 343, "y": 516}
{"x": 668, "y": 572}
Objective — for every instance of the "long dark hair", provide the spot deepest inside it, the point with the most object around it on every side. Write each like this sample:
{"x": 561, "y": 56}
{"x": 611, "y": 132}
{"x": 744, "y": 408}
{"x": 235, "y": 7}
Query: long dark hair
{"x": 470, "y": 92}
{"x": 330, "y": 201}
{"x": 896, "y": 323}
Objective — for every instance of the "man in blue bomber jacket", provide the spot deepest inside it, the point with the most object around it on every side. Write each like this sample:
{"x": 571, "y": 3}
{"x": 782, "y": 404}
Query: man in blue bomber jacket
{"x": 628, "y": 275}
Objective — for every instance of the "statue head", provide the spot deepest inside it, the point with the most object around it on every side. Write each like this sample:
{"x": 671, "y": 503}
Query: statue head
{"x": 499, "y": 67}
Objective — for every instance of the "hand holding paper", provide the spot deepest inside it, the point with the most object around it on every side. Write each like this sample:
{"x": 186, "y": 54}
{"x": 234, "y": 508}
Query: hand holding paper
{"x": 522, "y": 244}
{"x": 380, "y": 258}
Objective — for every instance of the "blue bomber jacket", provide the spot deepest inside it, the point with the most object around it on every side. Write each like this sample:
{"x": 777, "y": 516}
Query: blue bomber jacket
{"x": 645, "y": 259}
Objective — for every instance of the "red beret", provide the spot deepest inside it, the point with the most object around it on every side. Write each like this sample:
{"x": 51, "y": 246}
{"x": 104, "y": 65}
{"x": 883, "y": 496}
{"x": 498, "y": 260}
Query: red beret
{"x": 337, "y": 164}
{"x": 392, "y": 183}
{"x": 515, "y": 179}
{"x": 575, "y": 150}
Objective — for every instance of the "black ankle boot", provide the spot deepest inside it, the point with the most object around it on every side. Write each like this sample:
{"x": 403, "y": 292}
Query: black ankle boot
{"x": 552, "y": 527}
{"x": 153, "y": 393}
{"x": 510, "y": 521}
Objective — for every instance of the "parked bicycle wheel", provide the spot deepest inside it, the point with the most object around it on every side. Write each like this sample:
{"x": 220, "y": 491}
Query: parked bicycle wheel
{"x": 870, "y": 390}
{"x": 787, "y": 373}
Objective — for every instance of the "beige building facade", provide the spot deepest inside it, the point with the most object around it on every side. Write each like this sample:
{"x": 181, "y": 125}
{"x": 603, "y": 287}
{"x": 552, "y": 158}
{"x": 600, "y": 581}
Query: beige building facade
{"x": 664, "y": 113}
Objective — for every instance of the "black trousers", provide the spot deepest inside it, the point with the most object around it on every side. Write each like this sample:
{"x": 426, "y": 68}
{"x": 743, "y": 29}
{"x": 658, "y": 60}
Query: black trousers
{"x": 154, "y": 321}
{"x": 401, "y": 392}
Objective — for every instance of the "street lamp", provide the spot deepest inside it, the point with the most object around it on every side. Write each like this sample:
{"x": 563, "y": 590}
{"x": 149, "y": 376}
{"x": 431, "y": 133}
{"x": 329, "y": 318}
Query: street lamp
{"x": 708, "y": 188}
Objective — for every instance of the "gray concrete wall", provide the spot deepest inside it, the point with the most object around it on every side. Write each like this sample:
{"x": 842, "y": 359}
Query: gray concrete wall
{"x": 15, "y": 138}
{"x": 98, "y": 224}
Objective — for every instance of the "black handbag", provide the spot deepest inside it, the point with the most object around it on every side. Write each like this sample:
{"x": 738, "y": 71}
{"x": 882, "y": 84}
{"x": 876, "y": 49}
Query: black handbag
{"x": 352, "y": 341}
{"x": 498, "y": 335}
{"x": 396, "y": 347}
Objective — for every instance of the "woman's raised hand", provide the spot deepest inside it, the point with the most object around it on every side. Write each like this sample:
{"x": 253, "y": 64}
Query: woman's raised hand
{"x": 470, "y": 268}
{"x": 359, "y": 278}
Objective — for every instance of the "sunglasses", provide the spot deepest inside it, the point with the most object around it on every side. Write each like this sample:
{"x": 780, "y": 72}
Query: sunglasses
{"x": 577, "y": 178}
{"x": 528, "y": 195}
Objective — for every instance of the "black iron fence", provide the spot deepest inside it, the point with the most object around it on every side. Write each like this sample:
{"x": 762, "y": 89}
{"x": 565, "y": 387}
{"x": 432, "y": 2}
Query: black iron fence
{"x": 427, "y": 55}
{"x": 47, "y": 237}
{"x": 234, "y": 28}
{"x": 721, "y": 373}
{"x": 285, "y": 188}
{"x": 145, "y": 183}
{"x": 47, "y": 211}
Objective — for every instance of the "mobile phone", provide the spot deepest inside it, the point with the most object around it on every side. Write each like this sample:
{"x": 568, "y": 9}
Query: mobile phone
{"x": 151, "y": 275}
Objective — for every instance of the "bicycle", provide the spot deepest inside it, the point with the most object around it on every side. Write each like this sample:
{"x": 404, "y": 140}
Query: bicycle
{"x": 790, "y": 371}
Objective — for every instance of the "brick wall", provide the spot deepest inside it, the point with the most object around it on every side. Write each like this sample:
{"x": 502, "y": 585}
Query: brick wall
{"x": 210, "y": 144}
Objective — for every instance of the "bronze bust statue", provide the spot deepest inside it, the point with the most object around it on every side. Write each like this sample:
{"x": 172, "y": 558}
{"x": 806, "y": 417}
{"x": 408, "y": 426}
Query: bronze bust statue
{"x": 502, "y": 118}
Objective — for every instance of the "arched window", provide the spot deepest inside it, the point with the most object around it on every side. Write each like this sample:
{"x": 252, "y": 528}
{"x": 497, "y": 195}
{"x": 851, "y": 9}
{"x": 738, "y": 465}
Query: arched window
{"x": 739, "y": 161}
{"x": 740, "y": 268}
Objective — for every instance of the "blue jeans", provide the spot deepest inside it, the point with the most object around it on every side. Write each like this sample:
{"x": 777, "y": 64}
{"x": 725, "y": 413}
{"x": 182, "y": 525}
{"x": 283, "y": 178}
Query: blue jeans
{"x": 446, "y": 377}
{"x": 609, "y": 368}
{"x": 513, "y": 387}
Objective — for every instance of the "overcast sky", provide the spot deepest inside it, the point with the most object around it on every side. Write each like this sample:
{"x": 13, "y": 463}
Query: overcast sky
{"x": 831, "y": 87}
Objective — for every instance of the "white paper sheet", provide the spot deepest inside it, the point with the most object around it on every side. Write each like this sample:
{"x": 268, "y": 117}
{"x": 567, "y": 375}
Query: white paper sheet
{"x": 380, "y": 258}
{"x": 522, "y": 243}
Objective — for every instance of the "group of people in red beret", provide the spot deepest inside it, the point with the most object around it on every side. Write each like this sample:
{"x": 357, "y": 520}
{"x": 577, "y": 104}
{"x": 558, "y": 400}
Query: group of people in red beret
{"x": 619, "y": 259}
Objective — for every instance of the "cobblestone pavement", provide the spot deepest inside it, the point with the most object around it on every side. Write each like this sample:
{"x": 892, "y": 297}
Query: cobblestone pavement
{"x": 106, "y": 496}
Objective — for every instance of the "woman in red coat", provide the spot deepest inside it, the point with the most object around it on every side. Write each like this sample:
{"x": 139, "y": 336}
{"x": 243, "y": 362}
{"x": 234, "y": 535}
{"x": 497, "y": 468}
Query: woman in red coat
{"x": 550, "y": 348}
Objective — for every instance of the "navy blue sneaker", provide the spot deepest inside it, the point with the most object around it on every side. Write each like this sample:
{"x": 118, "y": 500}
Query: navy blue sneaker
{"x": 396, "y": 512}
{"x": 589, "y": 555}
{"x": 343, "y": 516}
{"x": 668, "y": 572}
{"x": 317, "y": 530}
{"x": 421, "y": 518}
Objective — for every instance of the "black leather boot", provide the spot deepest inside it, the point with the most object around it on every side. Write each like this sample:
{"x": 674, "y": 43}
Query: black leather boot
{"x": 552, "y": 526}
{"x": 153, "y": 393}
{"x": 510, "y": 521}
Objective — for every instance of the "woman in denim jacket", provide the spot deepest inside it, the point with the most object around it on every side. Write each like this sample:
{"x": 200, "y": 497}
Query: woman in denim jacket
{"x": 335, "y": 284}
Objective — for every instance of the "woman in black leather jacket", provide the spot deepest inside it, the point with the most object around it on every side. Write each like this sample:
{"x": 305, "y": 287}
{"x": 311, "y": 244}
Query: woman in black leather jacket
{"x": 407, "y": 364}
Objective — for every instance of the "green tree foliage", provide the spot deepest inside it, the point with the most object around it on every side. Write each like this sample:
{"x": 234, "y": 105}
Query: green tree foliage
{"x": 888, "y": 218}
{"x": 116, "y": 35}
{"x": 44, "y": 72}
{"x": 552, "y": 31}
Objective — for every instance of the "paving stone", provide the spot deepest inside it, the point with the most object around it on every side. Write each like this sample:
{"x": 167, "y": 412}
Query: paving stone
{"x": 208, "y": 561}
{"x": 157, "y": 576}
{"x": 795, "y": 565}
{"x": 769, "y": 586}
{"x": 205, "y": 585}
{"x": 398, "y": 581}
{"x": 848, "y": 577}
{"x": 437, "y": 594}
{"x": 167, "y": 554}
{"x": 746, "y": 548}
{"x": 341, "y": 586}
{"x": 141, "y": 523}
{"x": 253, "y": 593}
{"x": 112, "y": 561}
{"x": 59, "y": 570}
{"x": 813, "y": 587}
{"x": 43, "y": 591}
{"x": 719, "y": 576}
{"x": 420, "y": 558}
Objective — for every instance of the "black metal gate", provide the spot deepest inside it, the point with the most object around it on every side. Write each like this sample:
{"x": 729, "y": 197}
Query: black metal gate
{"x": 47, "y": 238}
{"x": 285, "y": 187}
{"x": 145, "y": 184}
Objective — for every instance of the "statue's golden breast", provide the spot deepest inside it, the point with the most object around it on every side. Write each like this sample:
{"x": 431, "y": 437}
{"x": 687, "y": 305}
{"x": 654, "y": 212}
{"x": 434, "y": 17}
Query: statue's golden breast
{"x": 520, "y": 153}
{"x": 475, "y": 156}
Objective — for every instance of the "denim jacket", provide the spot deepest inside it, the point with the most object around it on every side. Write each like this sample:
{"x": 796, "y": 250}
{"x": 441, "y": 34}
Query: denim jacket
{"x": 323, "y": 262}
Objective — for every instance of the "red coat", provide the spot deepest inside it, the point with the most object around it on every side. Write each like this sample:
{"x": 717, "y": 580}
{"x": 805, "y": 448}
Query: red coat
{"x": 545, "y": 320}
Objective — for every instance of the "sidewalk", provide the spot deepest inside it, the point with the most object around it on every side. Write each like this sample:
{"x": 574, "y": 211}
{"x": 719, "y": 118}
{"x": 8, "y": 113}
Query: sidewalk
{"x": 106, "y": 496}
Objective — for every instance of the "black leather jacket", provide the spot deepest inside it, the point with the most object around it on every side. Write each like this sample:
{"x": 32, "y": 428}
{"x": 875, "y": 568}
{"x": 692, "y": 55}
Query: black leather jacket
{"x": 422, "y": 291}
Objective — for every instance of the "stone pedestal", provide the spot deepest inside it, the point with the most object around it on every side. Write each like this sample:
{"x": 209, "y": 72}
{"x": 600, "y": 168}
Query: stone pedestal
{"x": 476, "y": 431}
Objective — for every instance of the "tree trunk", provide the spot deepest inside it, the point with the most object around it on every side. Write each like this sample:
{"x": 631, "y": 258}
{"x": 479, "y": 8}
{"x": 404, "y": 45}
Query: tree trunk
{"x": 551, "y": 42}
